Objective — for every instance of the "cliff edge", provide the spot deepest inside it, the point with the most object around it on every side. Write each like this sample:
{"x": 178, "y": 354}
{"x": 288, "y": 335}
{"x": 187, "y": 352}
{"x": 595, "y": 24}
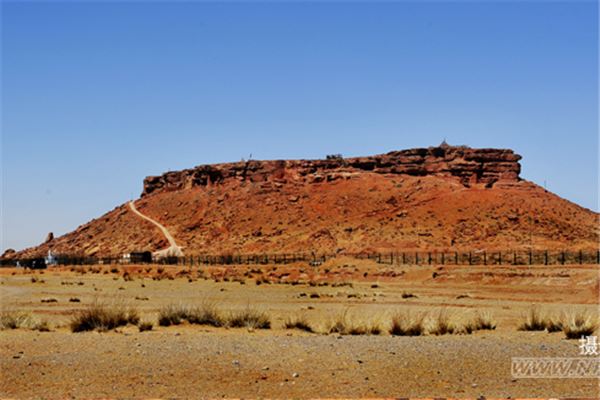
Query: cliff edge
{"x": 471, "y": 166}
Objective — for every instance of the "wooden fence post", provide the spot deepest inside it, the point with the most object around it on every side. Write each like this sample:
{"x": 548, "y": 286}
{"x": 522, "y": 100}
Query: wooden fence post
{"x": 484, "y": 258}
{"x": 580, "y": 257}
{"x": 442, "y": 258}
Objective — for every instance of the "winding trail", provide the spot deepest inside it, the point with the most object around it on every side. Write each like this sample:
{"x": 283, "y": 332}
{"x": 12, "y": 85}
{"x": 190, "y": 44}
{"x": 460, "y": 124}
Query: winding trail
{"x": 173, "y": 249}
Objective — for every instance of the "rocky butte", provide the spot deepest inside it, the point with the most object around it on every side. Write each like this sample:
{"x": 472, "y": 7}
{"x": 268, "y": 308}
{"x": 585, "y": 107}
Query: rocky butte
{"x": 428, "y": 199}
{"x": 471, "y": 166}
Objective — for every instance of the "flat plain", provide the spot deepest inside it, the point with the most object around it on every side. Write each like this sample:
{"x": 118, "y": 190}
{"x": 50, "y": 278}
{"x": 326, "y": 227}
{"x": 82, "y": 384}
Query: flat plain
{"x": 190, "y": 360}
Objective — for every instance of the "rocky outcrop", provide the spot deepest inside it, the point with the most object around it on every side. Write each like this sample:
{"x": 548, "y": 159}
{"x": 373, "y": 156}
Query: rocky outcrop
{"x": 469, "y": 166}
{"x": 8, "y": 253}
{"x": 49, "y": 237}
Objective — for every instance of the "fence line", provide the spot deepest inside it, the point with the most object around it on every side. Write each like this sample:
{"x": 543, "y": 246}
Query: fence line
{"x": 513, "y": 257}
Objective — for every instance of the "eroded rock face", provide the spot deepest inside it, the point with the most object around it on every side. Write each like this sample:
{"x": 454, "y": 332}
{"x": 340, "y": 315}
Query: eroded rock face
{"x": 49, "y": 237}
{"x": 470, "y": 166}
{"x": 8, "y": 253}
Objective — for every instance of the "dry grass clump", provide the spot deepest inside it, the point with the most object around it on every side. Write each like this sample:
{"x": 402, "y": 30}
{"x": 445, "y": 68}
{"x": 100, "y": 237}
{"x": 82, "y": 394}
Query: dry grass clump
{"x": 481, "y": 321}
{"x": 145, "y": 326}
{"x": 41, "y": 326}
{"x": 21, "y": 320}
{"x": 49, "y": 300}
{"x": 344, "y": 325}
{"x": 574, "y": 325}
{"x": 342, "y": 284}
{"x": 298, "y": 322}
{"x": 484, "y": 321}
{"x": 205, "y": 314}
{"x": 365, "y": 329}
{"x": 555, "y": 323}
{"x": 408, "y": 324}
{"x": 249, "y": 318}
{"x": 172, "y": 315}
{"x": 579, "y": 324}
{"x": 442, "y": 325}
{"x": 15, "y": 320}
{"x": 262, "y": 279}
{"x": 103, "y": 317}
{"x": 340, "y": 325}
{"x": 534, "y": 321}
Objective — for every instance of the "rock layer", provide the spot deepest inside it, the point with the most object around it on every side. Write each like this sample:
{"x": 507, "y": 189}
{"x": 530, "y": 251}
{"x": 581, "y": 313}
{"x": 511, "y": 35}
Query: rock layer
{"x": 470, "y": 166}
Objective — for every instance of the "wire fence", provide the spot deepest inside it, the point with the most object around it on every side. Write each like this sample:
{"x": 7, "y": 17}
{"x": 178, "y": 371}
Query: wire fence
{"x": 513, "y": 257}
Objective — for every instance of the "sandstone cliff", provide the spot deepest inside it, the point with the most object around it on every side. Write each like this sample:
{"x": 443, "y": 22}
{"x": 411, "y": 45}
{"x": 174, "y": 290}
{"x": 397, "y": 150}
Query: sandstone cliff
{"x": 437, "y": 198}
{"x": 471, "y": 166}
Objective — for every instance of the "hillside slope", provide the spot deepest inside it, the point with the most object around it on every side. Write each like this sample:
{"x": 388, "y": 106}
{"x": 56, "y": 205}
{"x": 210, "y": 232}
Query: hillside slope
{"x": 453, "y": 199}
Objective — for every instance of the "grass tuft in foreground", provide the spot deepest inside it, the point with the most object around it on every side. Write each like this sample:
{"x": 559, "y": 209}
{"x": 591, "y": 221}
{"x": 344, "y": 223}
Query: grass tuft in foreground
{"x": 298, "y": 322}
{"x": 579, "y": 324}
{"x": 537, "y": 321}
{"x": 21, "y": 320}
{"x": 249, "y": 318}
{"x": 484, "y": 321}
{"x": 534, "y": 321}
{"x": 442, "y": 324}
{"x": 344, "y": 325}
{"x": 172, "y": 315}
{"x": 145, "y": 326}
{"x": 408, "y": 324}
{"x": 104, "y": 317}
{"x": 14, "y": 320}
{"x": 205, "y": 314}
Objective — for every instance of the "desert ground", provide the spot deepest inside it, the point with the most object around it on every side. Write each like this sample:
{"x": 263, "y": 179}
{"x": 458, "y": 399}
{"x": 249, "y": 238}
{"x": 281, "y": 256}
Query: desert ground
{"x": 194, "y": 361}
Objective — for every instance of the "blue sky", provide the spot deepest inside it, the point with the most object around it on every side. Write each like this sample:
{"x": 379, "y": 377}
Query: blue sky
{"x": 95, "y": 96}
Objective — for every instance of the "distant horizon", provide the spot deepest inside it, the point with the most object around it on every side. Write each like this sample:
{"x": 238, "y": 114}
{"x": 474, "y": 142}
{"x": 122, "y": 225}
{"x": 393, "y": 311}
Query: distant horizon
{"x": 97, "y": 96}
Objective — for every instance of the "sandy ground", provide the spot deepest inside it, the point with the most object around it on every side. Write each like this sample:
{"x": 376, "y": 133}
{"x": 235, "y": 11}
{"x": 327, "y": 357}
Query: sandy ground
{"x": 189, "y": 361}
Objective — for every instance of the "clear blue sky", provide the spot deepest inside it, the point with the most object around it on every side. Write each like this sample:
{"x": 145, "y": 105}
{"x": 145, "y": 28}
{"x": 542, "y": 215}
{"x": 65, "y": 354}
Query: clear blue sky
{"x": 95, "y": 96}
